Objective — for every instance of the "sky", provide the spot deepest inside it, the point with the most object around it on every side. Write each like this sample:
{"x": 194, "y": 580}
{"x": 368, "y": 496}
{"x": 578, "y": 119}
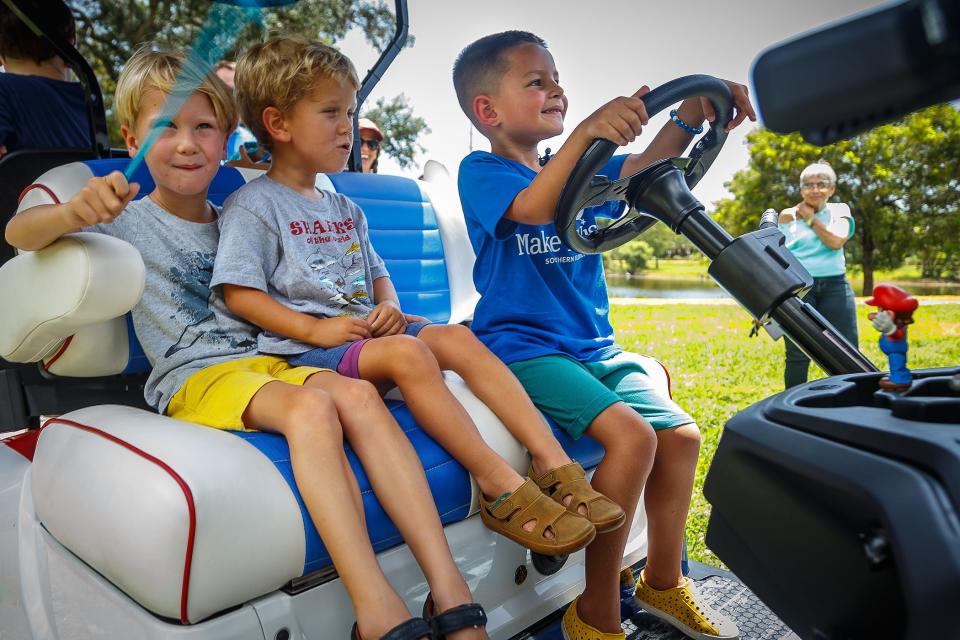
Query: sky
{"x": 602, "y": 49}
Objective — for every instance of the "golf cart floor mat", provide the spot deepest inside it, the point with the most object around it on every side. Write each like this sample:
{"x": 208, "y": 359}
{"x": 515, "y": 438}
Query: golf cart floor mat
{"x": 720, "y": 589}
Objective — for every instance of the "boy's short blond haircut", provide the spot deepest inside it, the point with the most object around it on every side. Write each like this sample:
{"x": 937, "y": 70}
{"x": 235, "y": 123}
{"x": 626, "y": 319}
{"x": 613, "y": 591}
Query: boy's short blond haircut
{"x": 149, "y": 68}
{"x": 280, "y": 72}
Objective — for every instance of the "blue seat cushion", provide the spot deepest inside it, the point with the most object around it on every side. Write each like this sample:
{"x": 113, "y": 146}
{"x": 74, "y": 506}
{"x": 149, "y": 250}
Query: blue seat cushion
{"x": 449, "y": 481}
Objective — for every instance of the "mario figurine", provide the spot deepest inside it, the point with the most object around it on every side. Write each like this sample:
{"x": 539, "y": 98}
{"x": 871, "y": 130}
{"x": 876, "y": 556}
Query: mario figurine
{"x": 894, "y": 312}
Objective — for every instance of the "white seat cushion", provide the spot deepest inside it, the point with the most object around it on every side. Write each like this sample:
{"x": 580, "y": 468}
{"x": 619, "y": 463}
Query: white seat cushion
{"x": 185, "y": 519}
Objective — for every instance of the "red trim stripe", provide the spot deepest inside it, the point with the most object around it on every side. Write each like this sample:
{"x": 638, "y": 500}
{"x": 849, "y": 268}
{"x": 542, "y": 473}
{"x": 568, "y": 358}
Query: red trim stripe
{"x": 63, "y": 347}
{"x": 187, "y": 494}
{"x": 23, "y": 443}
{"x": 669, "y": 382}
{"x": 43, "y": 188}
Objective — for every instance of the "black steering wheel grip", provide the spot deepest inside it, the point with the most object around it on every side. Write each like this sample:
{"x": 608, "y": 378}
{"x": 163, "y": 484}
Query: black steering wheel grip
{"x": 584, "y": 188}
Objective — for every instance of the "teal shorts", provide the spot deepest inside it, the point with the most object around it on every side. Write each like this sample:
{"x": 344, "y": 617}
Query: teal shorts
{"x": 573, "y": 393}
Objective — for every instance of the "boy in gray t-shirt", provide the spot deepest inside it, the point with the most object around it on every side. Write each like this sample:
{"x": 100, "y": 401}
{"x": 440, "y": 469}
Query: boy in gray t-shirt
{"x": 297, "y": 262}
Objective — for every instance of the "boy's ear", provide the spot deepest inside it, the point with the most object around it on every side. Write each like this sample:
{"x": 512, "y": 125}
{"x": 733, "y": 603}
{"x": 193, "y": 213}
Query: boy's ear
{"x": 276, "y": 124}
{"x": 130, "y": 139}
{"x": 485, "y": 111}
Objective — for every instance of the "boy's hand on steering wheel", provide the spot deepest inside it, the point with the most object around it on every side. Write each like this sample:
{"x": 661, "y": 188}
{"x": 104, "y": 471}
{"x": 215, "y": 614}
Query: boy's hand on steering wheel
{"x": 741, "y": 102}
{"x": 620, "y": 121}
{"x": 386, "y": 319}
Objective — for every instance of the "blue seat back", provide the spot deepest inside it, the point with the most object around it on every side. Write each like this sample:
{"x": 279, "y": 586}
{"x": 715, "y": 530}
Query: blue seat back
{"x": 404, "y": 231}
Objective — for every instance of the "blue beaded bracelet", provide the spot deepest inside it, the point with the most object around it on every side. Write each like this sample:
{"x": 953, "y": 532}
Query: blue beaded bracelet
{"x": 683, "y": 125}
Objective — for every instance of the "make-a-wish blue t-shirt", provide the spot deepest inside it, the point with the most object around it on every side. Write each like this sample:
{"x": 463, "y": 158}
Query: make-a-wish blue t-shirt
{"x": 537, "y": 296}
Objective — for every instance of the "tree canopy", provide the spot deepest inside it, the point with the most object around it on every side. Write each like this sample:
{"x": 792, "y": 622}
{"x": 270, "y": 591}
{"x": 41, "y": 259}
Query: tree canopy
{"x": 401, "y": 128}
{"x": 901, "y": 180}
{"x": 109, "y": 31}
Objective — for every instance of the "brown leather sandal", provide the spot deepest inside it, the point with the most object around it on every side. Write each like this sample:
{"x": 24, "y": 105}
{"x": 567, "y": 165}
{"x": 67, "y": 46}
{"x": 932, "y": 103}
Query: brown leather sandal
{"x": 571, "y": 480}
{"x": 507, "y": 515}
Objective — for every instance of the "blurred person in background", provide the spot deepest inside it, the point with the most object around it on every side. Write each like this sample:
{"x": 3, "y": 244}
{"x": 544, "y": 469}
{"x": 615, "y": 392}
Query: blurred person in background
{"x": 816, "y": 231}
{"x": 40, "y": 107}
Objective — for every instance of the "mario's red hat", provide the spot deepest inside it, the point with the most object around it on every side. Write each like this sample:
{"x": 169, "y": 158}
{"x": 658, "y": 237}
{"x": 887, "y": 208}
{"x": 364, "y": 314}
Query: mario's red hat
{"x": 892, "y": 297}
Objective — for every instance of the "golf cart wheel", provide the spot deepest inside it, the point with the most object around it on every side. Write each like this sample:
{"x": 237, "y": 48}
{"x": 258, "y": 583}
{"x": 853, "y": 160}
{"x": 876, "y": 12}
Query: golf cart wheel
{"x": 548, "y": 565}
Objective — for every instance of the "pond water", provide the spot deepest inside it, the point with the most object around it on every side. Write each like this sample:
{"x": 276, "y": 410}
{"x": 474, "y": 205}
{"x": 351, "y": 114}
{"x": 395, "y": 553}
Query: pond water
{"x": 680, "y": 288}
{"x": 676, "y": 288}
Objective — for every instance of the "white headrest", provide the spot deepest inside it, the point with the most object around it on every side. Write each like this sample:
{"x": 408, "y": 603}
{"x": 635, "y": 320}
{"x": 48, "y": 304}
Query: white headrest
{"x": 185, "y": 519}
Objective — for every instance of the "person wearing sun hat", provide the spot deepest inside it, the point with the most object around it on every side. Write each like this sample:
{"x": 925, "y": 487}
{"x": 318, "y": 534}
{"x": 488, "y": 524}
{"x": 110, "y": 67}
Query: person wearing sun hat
{"x": 370, "y": 139}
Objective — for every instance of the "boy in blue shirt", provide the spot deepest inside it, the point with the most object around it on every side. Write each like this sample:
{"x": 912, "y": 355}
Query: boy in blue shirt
{"x": 544, "y": 311}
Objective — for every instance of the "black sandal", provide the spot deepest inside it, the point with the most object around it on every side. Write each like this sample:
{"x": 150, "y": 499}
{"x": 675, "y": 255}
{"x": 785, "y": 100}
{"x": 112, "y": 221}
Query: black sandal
{"x": 464, "y": 616}
{"x": 412, "y": 629}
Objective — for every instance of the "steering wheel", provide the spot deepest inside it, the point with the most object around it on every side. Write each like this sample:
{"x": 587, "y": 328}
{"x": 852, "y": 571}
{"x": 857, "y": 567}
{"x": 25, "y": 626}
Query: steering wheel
{"x": 584, "y": 188}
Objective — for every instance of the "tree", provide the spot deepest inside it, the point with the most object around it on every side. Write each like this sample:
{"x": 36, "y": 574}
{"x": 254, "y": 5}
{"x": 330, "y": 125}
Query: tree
{"x": 629, "y": 258}
{"x": 931, "y": 185}
{"x": 664, "y": 243}
{"x": 401, "y": 129}
{"x": 109, "y": 31}
{"x": 901, "y": 180}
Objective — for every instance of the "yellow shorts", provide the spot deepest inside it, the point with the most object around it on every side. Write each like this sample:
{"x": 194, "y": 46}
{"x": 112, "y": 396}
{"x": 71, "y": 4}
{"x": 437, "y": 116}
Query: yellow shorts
{"x": 218, "y": 395}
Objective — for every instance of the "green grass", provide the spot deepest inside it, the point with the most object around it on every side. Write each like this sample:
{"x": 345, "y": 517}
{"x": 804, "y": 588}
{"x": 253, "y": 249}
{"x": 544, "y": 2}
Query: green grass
{"x": 717, "y": 370}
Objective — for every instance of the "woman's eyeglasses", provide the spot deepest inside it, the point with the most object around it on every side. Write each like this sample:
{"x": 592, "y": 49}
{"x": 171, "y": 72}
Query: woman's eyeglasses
{"x": 822, "y": 185}
{"x": 373, "y": 144}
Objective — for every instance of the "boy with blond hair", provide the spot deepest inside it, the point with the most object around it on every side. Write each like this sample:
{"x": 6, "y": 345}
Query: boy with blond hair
{"x": 205, "y": 365}
{"x": 544, "y": 311}
{"x": 298, "y": 262}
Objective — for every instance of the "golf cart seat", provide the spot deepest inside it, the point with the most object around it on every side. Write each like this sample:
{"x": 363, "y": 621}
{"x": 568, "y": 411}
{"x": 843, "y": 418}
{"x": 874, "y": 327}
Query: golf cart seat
{"x": 187, "y": 520}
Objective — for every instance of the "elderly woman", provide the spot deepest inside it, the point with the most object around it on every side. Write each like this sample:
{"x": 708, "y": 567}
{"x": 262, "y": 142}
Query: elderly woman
{"x": 816, "y": 231}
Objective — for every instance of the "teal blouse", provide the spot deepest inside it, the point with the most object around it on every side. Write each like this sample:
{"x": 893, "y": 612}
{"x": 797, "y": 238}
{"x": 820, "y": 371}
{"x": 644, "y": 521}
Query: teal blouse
{"x": 819, "y": 259}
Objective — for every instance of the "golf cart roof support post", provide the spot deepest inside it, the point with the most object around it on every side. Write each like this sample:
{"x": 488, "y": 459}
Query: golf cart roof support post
{"x": 96, "y": 114}
{"x": 373, "y": 76}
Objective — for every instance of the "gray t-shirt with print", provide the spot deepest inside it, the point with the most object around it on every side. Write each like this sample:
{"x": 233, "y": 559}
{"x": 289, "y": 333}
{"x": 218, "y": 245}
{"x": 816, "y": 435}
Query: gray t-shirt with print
{"x": 182, "y": 325}
{"x": 311, "y": 255}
